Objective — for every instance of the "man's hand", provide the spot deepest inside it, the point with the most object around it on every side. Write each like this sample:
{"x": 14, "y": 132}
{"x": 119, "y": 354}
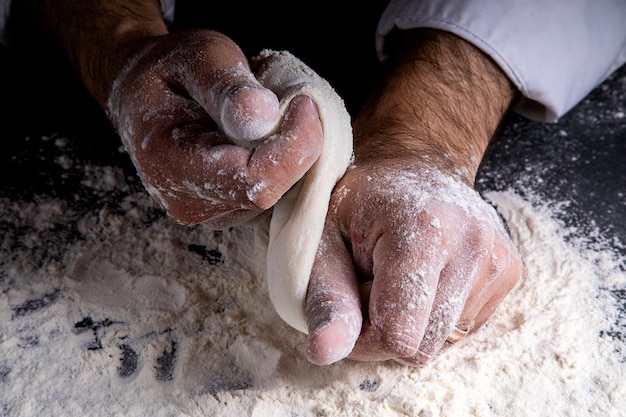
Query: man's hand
{"x": 187, "y": 107}
{"x": 171, "y": 106}
{"x": 410, "y": 250}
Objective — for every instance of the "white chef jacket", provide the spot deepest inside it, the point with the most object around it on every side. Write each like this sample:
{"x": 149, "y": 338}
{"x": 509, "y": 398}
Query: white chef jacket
{"x": 554, "y": 51}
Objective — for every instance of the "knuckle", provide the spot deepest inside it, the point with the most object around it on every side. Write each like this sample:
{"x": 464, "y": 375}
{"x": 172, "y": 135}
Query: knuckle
{"x": 261, "y": 198}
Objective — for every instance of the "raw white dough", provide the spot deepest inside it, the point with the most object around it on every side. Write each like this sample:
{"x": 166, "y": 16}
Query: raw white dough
{"x": 298, "y": 217}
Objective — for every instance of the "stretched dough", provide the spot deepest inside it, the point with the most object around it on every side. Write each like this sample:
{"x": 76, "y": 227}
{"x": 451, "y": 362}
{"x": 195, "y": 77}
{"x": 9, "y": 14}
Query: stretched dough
{"x": 298, "y": 217}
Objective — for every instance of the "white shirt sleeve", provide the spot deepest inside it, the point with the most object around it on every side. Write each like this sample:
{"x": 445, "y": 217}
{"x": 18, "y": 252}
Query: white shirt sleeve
{"x": 555, "y": 51}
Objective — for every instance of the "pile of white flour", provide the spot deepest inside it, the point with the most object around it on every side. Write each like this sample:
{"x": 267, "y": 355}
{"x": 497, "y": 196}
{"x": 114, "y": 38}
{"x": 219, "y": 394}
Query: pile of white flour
{"x": 133, "y": 315}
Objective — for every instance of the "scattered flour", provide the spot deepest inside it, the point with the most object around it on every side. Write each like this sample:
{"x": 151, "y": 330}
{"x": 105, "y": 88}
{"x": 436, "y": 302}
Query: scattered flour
{"x": 120, "y": 312}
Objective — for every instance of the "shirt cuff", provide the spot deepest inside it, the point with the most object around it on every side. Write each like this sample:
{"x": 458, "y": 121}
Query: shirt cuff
{"x": 554, "y": 51}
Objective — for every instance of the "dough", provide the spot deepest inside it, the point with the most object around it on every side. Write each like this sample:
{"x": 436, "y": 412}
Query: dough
{"x": 298, "y": 217}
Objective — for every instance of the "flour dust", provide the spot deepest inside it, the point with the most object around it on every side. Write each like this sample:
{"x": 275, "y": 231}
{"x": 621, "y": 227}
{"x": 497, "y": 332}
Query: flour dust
{"x": 120, "y": 312}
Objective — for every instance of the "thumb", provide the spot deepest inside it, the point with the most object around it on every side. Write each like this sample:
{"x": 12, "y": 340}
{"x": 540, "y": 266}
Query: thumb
{"x": 333, "y": 306}
{"x": 220, "y": 79}
{"x": 246, "y": 111}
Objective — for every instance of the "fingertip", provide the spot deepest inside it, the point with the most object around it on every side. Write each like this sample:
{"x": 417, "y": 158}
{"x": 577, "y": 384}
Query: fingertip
{"x": 307, "y": 103}
{"x": 249, "y": 114}
{"x": 302, "y": 121}
{"x": 330, "y": 343}
{"x": 303, "y": 107}
{"x": 333, "y": 307}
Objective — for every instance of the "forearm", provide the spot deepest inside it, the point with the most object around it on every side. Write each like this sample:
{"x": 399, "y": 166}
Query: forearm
{"x": 441, "y": 99}
{"x": 98, "y": 36}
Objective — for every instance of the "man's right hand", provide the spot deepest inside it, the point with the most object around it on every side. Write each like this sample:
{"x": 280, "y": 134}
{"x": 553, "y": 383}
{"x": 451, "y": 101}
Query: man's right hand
{"x": 178, "y": 105}
{"x": 178, "y": 100}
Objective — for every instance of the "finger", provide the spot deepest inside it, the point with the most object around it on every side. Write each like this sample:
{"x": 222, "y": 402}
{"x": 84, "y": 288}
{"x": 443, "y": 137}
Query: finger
{"x": 277, "y": 164}
{"x": 196, "y": 175}
{"x": 248, "y": 113}
{"x": 402, "y": 293}
{"x": 236, "y": 178}
{"x": 469, "y": 247}
{"x": 184, "y": 161}
{"x": 219, "y": 78}
{"x": 498, "y": 271}
{"x": 503, "y": 272}
{"x": 470, "y": 287}
{"x": 333, "y": 307}
{"x": 455, "y": 283}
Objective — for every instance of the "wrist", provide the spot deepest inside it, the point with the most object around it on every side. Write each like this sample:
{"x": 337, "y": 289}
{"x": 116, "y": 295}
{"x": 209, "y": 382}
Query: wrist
{"x": 98, "y": 37}
{"x": 441, "y": 100}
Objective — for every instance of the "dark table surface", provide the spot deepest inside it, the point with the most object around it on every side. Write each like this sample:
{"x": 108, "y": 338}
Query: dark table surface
{"x": 578, "y": 162}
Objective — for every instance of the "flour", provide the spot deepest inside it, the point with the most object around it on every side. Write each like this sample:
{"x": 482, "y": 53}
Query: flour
{"x": 120, "y": 312}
